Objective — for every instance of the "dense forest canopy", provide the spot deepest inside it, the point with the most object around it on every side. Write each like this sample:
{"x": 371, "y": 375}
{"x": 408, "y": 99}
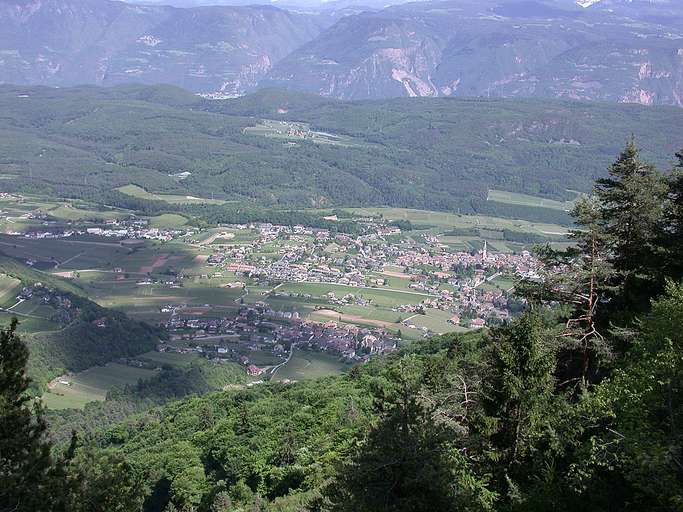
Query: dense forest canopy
{"x": 288, "y": 151}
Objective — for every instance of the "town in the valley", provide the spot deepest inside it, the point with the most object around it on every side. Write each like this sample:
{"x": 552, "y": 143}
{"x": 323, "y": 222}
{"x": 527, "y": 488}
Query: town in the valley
{"x": 253, "y": 293}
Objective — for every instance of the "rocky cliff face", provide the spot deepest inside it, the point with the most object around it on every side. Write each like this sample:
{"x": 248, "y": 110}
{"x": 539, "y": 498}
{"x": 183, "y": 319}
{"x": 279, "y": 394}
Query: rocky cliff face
{"x": 206, "y": 49}
{"x": 609, "y": 51}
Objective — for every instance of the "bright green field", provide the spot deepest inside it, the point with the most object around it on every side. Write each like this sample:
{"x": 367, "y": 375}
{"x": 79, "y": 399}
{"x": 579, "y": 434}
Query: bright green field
{"x": 436, "y": 321}
{"x": 379, "y": 296}
{"x": 501, "y": 196}
{"x": 305, "y": 364}
{"x": 141, "y": 193}
{"x": 8, "y": 289}
{"x": 92, "y": 385}
{"x": 450, "y": 220}
{"x": 28, "y": 324}
{"x": 505, "y": 283}
{"x": 169, "y": 358}
{"x": 167, "y": 220}
{"x": 72, "y": 213}
{"x": 34, "y": 307}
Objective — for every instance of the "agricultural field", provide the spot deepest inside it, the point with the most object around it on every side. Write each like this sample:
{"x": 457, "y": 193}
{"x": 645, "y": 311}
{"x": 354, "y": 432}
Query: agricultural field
{"x": 18, "y": 212}
{"x": 500, "y": 196}
{"x": 141, "y": 193}
{"x": 174, "y": 359}
{"x": 69, "y": 212}
{"x": 445, "y": 220}
{"x": 131, "y": 277}
{"x": 15, "y": 217}
{"x": 356, "y": 315}
{"x": 9, "y": 287}
{"x": 65, "y": 253}
{"x": 143, "y": 301}
{"x": 168, "y": 220}
{"x": 93, "y": 384}
{"x": 378, "y": 296}
{"x": 33, "y": 307}
{"x": 459, "y": 243}
{"x": 28, "y": 324}
{"x": 306, "y": 364}
{"x": 505, "y": 283}
{"x": 226, "y": 236}
{"x": 436, "y": 321}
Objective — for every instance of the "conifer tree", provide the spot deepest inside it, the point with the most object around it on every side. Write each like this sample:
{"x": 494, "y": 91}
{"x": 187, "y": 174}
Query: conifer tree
{"x": 633, "y": 199}
{"x": 518, "y": 404}
{"x": 579, "y": 278}
{"x": 403, "y": 464}
{"x": 672, "y": 232}
{"x": 25, "y": 461}
{"x": 633, "y": 457}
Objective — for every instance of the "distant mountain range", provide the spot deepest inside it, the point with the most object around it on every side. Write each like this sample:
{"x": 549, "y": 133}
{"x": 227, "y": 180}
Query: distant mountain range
{"x": 607, "y": 50}
{"x": 204, "y": 49}
{"x": 492, "y": 48}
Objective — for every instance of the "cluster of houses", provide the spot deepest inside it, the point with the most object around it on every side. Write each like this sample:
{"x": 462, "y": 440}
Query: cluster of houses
{"x": 482, "y": 263}
{"x": 64, "y": 311}
{"x": 310, "y": 255}
{"x": 454, "y": 279}
{"x": 133, "y": 228}
{"x": 259, "y": 328}
{"x": 457, "y": 278}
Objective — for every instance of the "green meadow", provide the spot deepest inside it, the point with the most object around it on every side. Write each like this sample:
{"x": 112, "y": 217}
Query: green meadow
{"x": 436, "y": 321}
{"x": 500, "y": 196}
{"x": 378, "y": 296}
{"x": 445, "y": 220}
{"x": 141, "y": 193}
{"x": 92, "y": 385}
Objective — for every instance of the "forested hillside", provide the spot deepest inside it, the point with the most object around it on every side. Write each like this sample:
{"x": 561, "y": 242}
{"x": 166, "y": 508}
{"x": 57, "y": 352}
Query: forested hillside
{"x": 573, "y": 404}
{"x": 78, "y": 333}
{"x": 283, "y": 150}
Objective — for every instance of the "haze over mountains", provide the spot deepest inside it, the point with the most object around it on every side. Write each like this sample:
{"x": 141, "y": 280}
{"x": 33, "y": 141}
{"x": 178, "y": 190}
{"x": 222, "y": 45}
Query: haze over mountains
{"x": 66, "y": 42}
{"x": 608, "y": 50}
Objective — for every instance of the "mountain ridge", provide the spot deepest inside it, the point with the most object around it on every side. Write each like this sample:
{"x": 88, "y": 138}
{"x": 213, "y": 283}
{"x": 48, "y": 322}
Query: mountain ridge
{"x": 104, "y": 42}
{"x": 492, "y": 48}
{"x": 611, "y": 50}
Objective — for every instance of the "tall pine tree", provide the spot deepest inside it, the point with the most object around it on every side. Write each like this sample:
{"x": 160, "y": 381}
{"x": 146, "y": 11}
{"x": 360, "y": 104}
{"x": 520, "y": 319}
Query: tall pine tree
{"x": 672, "y": 230}
{"x": 25, "y": 461}
{"x": 579, "y": 278}
{"x": 633, "y": 199}
{"x": 519, "y": 408}
{"x": 411, "y": 461}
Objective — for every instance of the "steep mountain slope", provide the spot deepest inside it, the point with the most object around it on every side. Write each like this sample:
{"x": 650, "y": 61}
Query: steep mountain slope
{"x": 205, "y": 49}
{"x": 610, "y": 51}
